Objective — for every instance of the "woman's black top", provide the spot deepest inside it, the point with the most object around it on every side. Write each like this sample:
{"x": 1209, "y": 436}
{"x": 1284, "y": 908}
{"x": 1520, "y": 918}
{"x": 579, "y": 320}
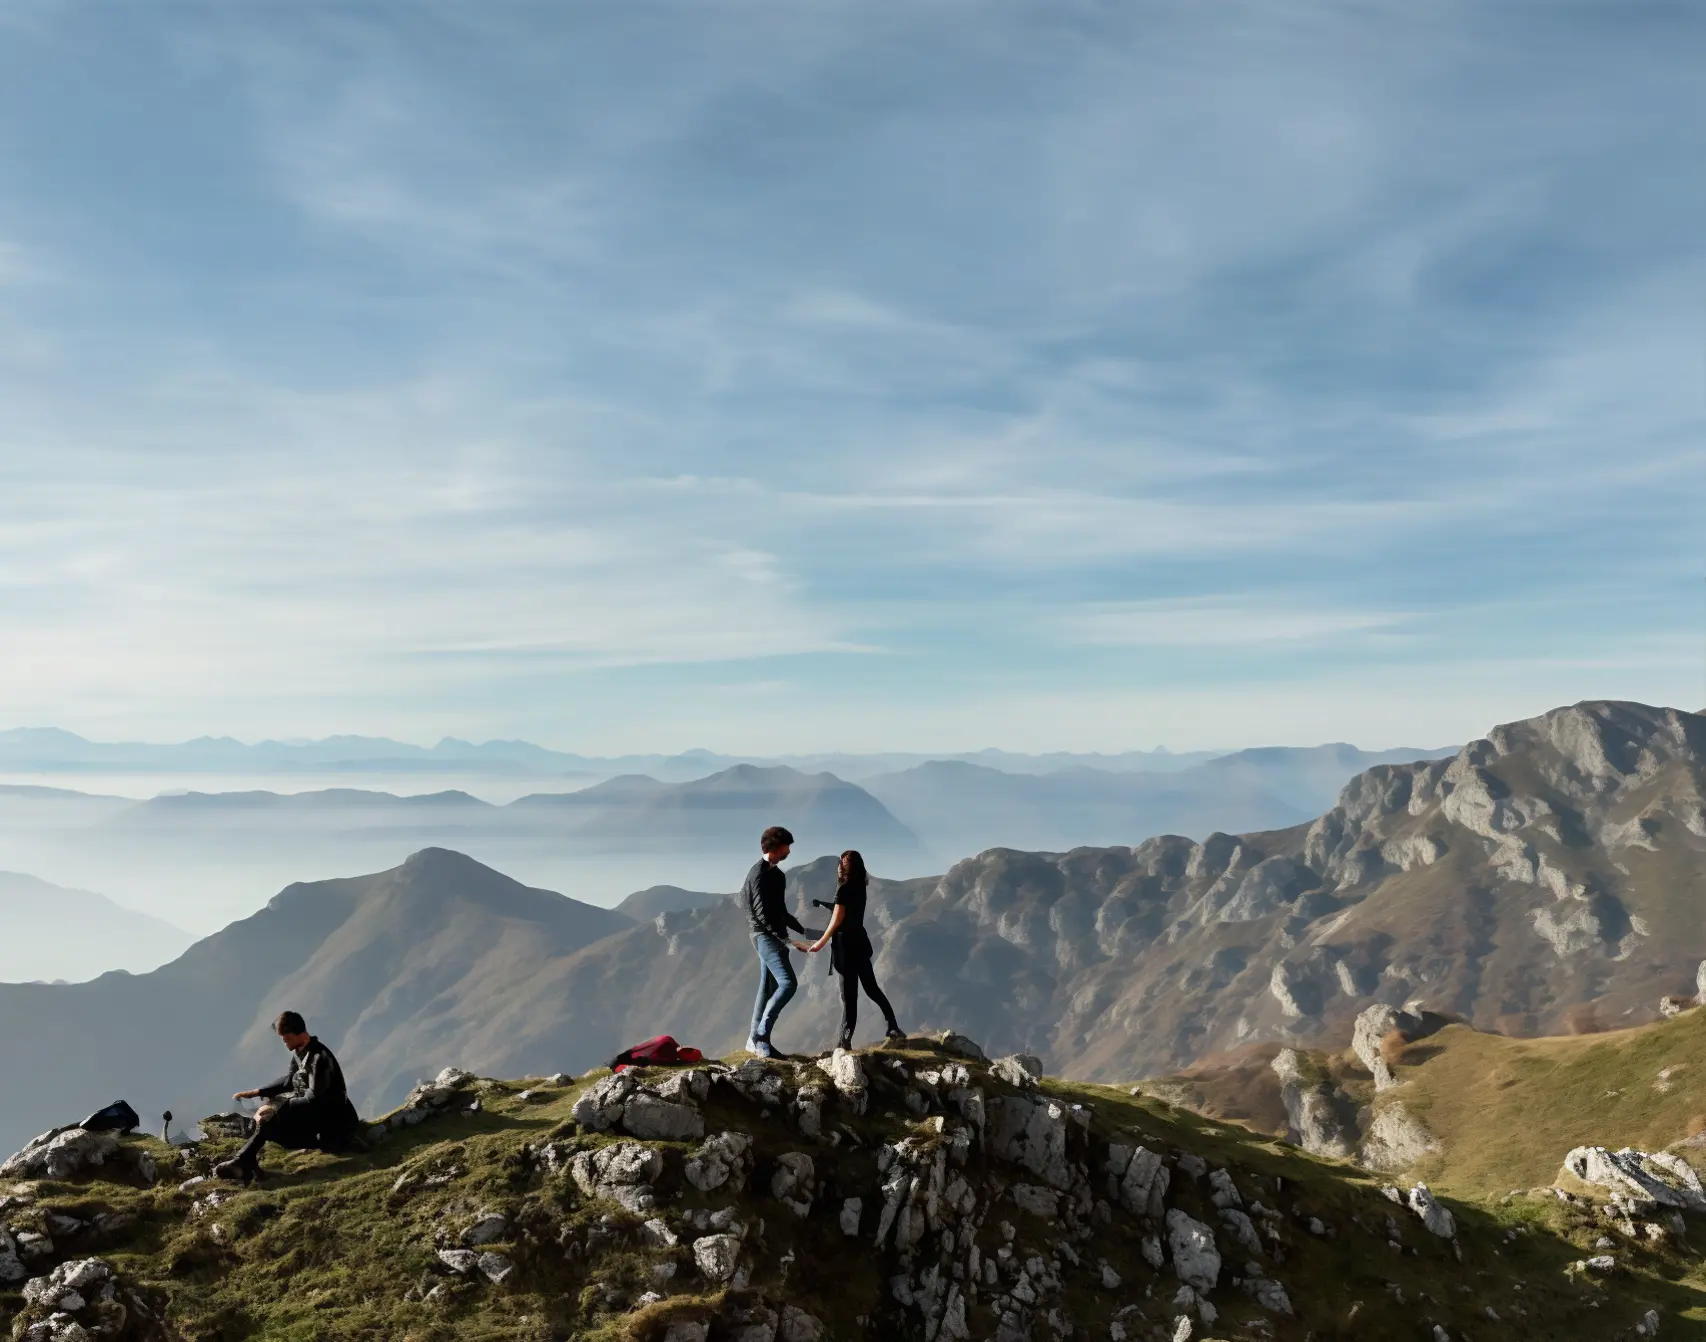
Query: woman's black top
{"x": 850, "y": 946}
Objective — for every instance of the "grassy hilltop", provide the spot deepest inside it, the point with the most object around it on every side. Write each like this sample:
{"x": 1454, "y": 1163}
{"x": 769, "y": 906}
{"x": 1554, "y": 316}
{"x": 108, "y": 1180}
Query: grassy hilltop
{"x": 347, "y": 1247}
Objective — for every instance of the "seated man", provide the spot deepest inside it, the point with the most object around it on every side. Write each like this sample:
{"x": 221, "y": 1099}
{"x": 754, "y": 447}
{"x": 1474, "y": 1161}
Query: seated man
{"x": 307, "y": 1108}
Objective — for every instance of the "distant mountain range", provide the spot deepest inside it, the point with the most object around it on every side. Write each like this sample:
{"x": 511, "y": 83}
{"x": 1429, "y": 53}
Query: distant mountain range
{"x": 1547, "y": 870}
{"x": 47, "y": 932}
{"x": 189, "y": 854}
{"x": 49, "y": 750}
{"x": 960, "y": 808}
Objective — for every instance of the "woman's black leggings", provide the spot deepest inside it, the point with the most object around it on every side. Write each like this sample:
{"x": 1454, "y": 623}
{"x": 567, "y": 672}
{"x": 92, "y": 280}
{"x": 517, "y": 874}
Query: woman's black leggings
{"x": 854, "y": 977}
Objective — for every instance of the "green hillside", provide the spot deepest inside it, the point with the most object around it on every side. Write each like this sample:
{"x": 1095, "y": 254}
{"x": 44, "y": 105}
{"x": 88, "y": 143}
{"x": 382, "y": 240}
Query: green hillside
{"x": 1017, "y": 1219}
{"x": 1507, "y": 1110}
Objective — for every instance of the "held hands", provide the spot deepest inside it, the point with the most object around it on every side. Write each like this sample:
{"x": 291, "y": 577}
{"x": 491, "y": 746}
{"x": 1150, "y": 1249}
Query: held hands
{"x": 801, "y": 946}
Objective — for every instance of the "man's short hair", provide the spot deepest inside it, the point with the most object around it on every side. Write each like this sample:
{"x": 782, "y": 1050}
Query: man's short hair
{"x": 289, "y": 1022}
{"x": 775, "y": 837}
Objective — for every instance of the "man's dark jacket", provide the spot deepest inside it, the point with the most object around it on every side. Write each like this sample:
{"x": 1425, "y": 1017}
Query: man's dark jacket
{"x": 766, "y": 896}
{"x": 313, "y": 1090}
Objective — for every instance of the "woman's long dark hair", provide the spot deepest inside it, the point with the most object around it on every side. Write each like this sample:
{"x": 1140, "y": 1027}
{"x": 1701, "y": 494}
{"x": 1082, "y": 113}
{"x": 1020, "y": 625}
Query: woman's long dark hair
{"x": 852, "y": 870}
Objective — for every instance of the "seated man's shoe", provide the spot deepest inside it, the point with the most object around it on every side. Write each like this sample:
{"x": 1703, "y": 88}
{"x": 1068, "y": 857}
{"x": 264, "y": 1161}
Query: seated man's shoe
{"x": 236, "y": 1171}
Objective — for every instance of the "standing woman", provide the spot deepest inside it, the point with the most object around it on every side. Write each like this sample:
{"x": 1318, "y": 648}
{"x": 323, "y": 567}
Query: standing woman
{"x": 850, "y": 949}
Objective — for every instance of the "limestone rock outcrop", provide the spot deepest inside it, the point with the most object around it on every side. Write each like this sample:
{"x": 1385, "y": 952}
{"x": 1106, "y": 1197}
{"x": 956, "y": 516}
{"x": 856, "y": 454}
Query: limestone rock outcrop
{"x": 1658, "y": 1176}
{"x": 1320, "y": 1117}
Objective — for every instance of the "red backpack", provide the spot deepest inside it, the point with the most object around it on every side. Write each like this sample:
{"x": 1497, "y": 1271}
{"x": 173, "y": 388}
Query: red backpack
{"x": 660, "y": 1052}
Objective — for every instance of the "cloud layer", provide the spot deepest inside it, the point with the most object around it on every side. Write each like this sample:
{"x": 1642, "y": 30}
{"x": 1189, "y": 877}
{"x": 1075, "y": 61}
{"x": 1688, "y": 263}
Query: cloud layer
{"x": 924, "y": 376}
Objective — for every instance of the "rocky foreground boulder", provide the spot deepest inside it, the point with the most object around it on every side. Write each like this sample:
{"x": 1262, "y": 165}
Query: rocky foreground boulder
{"x": 922, "y": 1193}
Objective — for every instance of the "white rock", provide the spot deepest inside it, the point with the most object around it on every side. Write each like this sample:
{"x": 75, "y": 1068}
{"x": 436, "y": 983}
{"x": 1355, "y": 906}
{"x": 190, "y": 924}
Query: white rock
{"x": 599, "y": 1108}
{"x": 622, "y": 1172}
{"x": 1243, "y": 1230}
{"x": 1661, "y": 1176}
{"x": 65, "y": 1287}
{"x": 687, "y": 1330}
{"x": 62, "y": 1153}
{"x": 1372, "y": 1026}
{"x": 846, "y": 1073}
{"x": 488, "y": 1227}
{"x": 1222, "y": 1191}
{"x": 717, "y": 1256}
{"x": 654, "y": 1120}
{"x": 719, "y": 1158}
{"x": 1196, "y": 1261}
{"x": 495, "y": 1267}
{"x": 460, "y": 1261}
{"x": 1137, "y": 1179}
{"x": 1434, "y": 1216}
{"x": 1182, "y": 1328}
{"x": 795, "y": 1181}
{"x": 1110, "y": 1278}
{"x": 1018, "y": 1069}
{"x": 1396, "y": 1140}
{"x": 658, "y": 1232}
{"x": 1032, "y": 1133}
{"x": 851, "y": 1210}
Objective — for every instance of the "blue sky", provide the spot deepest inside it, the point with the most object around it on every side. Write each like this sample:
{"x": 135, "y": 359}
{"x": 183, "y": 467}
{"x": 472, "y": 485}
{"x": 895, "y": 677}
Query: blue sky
{"x": 850, "y": 375}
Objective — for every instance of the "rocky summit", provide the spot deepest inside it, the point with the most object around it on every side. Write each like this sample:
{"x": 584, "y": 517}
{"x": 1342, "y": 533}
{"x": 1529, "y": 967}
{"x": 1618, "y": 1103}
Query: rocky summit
{"x": 921, "y": 1192}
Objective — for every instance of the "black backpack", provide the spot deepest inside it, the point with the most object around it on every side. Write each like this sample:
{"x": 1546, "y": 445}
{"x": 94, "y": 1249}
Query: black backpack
{"x": 116, "y": 1117}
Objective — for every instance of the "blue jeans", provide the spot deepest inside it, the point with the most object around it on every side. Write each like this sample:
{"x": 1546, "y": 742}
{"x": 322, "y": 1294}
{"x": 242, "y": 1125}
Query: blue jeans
{"x": 776, "y": 983}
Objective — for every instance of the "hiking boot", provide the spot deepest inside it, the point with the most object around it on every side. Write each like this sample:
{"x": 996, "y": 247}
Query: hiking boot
{"x": 237, "y": 1172}
{"x": 895, "y": 1035}
{"x": 846, "y": 1042}
{"x": 763, "y": 1048}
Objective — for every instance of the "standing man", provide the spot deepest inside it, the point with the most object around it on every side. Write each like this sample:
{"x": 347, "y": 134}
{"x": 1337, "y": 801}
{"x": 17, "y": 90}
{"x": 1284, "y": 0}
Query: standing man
{"x": 766, "y": 895}
{"x": 307, "y": 1108}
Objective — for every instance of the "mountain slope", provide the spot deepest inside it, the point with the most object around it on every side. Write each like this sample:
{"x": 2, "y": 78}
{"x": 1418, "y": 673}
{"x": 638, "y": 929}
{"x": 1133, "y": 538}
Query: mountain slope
{"x": 48, "y": 932}
{"x": 392, "y": 970}
{"x": 1545, "y": 867}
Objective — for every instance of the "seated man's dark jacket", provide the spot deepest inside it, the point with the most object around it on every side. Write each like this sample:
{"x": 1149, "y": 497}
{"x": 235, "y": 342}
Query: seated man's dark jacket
{"x": 312, "y": 1092}
{"x": 766, "y": 896}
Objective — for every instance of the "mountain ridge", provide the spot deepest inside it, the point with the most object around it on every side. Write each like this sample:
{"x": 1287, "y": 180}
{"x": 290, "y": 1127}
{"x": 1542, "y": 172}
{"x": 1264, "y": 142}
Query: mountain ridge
{"x": 1533, "y": 871}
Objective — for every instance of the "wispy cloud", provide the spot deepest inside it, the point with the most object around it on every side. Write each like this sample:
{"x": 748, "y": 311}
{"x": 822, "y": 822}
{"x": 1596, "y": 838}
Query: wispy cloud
{"x": 559, "y": 373}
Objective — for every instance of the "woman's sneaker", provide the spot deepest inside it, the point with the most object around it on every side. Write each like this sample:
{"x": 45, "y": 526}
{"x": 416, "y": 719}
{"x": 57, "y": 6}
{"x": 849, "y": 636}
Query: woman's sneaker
{"x": 752, "y": 1043}
{"x": 763, "y": 1049}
